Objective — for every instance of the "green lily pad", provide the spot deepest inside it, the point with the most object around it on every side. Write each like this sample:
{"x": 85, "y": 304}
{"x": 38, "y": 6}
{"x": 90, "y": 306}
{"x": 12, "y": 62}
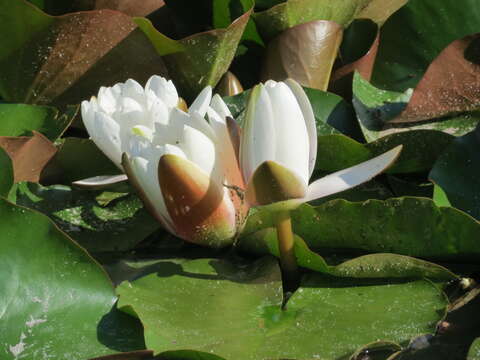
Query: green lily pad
{"x": 116, "y": 227}
{"x": 457, "y": 172}
{"x": 439, "y": 196}
{"x": 421, "y": 148}
{"x": 211, "y": 307}
{"x": 6, "y": 173}
{"x": 333, "y": 114}
{"x": 403, "y": 186}
{"x": 368, "y": 266}
{"x": 287, "y": 14}
{"x": 21, "y": 119}
{"x": 50, "y": 286}
{"x": 376, "y": 107}
{"x": 407, "y": 226}
{"x": 409, "y": 43}
{"x": 378, "y": 113}
{"x": 474, "y": 351}
{"x": 198, "y": 60}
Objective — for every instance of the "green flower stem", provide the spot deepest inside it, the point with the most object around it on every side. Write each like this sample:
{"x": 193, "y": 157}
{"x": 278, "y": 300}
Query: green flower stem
{"x": 288, "y": 261}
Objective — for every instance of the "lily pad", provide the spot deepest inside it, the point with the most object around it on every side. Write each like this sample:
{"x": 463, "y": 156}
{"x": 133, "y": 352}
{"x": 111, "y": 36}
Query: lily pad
{"x": 198, "y": 60}
{"x": 407, "y": 226}
{"x": 116, "y": 227}
{"x": 381, "y": 113}
{"x": 6, "y": 171}
{"x": 21, "y": 119}
{"x": 77, "y": 159}
{"x": 210, "y": 307}
{"x": 457, "y": 172}
{"x": 408, "y": 43}
{"x": 371, "y": 266}
{"x": 287, "y": 14}
{"x": 474, "y": 352}
{"x": 65, "y": 59}
{"x": 29, "y": 155}
{"x": 50, "y": 286}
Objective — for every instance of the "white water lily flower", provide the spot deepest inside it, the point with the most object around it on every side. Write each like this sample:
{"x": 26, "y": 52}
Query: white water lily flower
{"x": 183, "y": 166}
{"x": 279, "y": 148}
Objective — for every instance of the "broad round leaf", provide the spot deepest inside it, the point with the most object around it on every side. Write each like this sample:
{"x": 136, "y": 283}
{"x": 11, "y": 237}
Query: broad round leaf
{"x": 211, "y": 307}
{"x": 54, "y": 299}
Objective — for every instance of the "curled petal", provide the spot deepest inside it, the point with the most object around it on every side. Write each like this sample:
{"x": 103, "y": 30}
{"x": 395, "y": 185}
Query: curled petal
{"x": 271, "y": 182}
{"x": 198, "y": 207}
{"x": 352, "y": 176}
{"x": 100, "y": 182}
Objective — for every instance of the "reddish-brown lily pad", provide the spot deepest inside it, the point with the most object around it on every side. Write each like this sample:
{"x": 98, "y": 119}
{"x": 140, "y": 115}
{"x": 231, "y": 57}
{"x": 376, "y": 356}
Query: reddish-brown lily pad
{"x": 29, "y": 155}
{"x": 64, "y": 59}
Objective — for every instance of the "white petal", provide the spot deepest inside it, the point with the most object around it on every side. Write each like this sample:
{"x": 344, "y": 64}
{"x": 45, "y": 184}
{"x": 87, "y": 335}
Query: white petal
{"x": 88, "y": 115}
{"x": 291, "y": 135}
{"x": 132, "y": 89}
{"x": 146, "y": 173}
{"x": 220, "y": 107}
{"x": 352, "y": 176}
{"x": 310, "y": 122}
{"x": 225, "y": 152}
{"x": 107, "y": 100}
{"x": 106, "y": 135}
{"x": 198, "y": 148}
{"x": 159, "y": 113}
{"x": 139, "y": 146}
{"x": 198, "y": 122}
{"x": 171, "y": 131}
{"x": 200, "y": 104}
{"x": 163, "y": 89}
{"x": 258, "y": 138}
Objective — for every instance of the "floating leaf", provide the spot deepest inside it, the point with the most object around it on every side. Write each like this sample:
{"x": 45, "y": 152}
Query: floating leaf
{"x": 407, "y": 226}
{"x": 280, "y": 17}
{"x": 368, "y": 266}
{"x": 65, "y": 59}
{"x": 474, "y": 352}
{"x": 450, "y": 85}
{"x": 305, "y": 53}
{"x": 457, "y": 172}
{"x": 29, "y": 155}
{"x": 209, "y": 306}
{"x": 408, "y": 43}
{"x": 6, "y": 173}
{"x": 21, "y": 119}
{"x": 50, "y": 286}
{"x": 116, "y": 227}
{"x": 77, "y": 159}
{"x": 206, "y": 55}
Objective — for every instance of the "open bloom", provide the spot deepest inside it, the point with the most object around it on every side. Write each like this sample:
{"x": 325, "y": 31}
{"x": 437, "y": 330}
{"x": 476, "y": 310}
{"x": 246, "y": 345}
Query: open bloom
{"x": 184, "y": 168}
{"x": 279, "y": 148}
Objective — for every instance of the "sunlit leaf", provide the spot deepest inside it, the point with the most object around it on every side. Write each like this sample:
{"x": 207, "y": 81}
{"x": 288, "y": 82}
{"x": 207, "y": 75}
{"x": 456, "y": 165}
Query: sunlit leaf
{"x": 51, "y": 286}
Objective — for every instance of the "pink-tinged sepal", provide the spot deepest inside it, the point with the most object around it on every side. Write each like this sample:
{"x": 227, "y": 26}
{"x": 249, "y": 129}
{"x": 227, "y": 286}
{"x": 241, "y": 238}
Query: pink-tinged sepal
{"x": 200, "y": 209}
